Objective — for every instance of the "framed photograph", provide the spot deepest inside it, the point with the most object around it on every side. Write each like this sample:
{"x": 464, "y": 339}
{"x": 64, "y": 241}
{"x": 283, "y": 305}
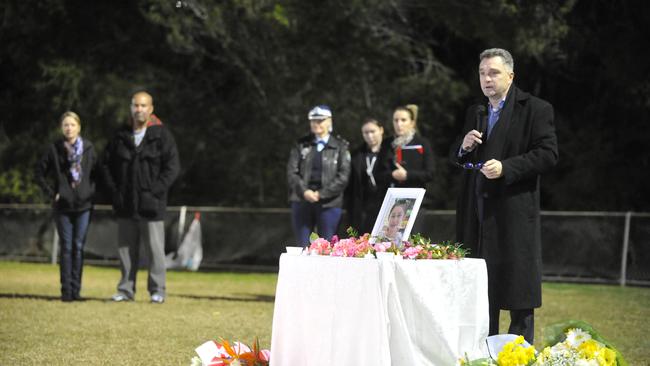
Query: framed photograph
{"x": 397, "y": 215}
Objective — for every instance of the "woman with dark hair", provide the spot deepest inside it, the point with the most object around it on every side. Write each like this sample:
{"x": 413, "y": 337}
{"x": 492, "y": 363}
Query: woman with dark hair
{"x": 413, "y": 161}
{"x": 368, "y": 184}
{"x": 66, "y": 175}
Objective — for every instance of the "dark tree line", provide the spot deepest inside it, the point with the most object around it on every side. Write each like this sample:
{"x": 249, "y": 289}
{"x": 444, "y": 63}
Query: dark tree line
{"x": 234, "y": 80}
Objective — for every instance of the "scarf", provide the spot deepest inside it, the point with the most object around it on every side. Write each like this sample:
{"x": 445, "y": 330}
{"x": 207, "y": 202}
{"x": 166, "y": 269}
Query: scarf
{"x": 400, "y": 141}
{"x": 75, "y": 152}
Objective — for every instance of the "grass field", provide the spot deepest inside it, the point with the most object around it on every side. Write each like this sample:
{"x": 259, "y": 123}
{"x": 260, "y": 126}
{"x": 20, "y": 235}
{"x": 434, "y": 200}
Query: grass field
{"x": 37, "y": 328}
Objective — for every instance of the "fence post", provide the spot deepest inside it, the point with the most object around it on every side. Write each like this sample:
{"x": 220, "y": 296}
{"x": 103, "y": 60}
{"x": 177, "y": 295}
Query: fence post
{"x": 181, "y": 226}
{"x": 55, "y": 245}
{"x": 626, "y": 242}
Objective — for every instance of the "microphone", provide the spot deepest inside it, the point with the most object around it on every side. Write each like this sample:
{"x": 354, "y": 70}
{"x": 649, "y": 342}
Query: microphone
{"x": 480, "y": 125}
{"x": 480, "y": 119}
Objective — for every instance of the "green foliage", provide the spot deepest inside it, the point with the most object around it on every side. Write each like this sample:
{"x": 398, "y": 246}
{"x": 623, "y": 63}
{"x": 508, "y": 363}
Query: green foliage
{"x": 352, "y": 232}
{"x": 234, "y": 79}
{"x": 17, "y": 186}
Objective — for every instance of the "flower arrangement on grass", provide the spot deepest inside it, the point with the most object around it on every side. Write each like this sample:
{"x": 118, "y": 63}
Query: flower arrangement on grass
{"x": 416, "y": 247}
{"x": 222, "y": 353}
{"x": 573, "y": 343}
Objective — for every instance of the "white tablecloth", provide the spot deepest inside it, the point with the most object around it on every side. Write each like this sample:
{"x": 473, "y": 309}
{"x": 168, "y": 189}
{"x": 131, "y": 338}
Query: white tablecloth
{"x": 354, "y": 311}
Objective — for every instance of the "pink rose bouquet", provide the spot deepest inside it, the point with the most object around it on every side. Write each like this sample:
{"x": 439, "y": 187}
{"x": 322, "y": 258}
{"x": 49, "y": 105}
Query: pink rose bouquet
{"x": 320, "y": 246}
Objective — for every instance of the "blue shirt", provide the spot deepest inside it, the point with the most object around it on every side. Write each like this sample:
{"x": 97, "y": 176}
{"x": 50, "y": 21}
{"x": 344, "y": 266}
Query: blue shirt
{"x": 493, "y": 115}
{"x": 321, "y": 142}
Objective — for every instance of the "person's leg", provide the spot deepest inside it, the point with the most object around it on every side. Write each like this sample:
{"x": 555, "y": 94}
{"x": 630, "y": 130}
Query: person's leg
{"x": 328, "y": 221}
{"x": 154, "y": 239}
{"x": 495, "y": 312}
{"x": 522, "y": 322}
{"x": 81, "y": 221}
{"x": 65, "y": 230}
{"x": 302, "y": 218}
{"x": 127, "y": 250}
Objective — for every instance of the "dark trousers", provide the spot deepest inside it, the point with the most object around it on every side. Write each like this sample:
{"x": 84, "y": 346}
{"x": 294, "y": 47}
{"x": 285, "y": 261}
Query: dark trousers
{"x": 313, "y": 217}
{"x": 522, "y": 322}
{"x": 72, "y": 228}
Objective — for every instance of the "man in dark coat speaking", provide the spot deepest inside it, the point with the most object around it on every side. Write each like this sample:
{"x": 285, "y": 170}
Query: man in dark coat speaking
{"x": 503, "y": 150}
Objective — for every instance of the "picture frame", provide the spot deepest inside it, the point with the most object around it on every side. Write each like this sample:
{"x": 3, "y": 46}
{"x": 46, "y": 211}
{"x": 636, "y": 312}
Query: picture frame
{"x": 403, "y": 205}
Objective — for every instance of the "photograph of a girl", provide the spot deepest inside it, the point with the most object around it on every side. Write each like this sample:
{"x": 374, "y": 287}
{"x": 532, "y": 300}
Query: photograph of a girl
{"x": 397, "y": 219}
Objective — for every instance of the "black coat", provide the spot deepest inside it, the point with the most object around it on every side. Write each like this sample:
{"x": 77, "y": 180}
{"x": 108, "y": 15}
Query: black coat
{"x": 53, "y": 176}
{"x": 419, "y": 163}
{"x": 363, "y": 200}
{"x": 524, "y": 141}
{"x": 139, "y": 177}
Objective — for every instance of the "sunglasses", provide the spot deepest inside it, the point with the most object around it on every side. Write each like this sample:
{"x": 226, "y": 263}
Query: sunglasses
{"x": 471, "y": 166}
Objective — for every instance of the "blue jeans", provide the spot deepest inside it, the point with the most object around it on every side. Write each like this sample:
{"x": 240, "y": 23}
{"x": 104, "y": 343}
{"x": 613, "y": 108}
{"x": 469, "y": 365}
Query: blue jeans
{"x": 307, "y": 216}
{"x": 72, "y": 228}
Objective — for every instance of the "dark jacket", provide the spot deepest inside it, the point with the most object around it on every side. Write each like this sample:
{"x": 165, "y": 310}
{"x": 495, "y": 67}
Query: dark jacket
{"x": 335, "y": 173}
{"x": 139, "y": 177}
{"x": 524, "y": 140}
{"x": 363, "y": 200}
{"x": 419, "y": 163}
{"x": 53, "y": 176}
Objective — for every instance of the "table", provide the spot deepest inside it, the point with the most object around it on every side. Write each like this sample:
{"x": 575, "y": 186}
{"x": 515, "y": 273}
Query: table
{"x": 357, "y": 311}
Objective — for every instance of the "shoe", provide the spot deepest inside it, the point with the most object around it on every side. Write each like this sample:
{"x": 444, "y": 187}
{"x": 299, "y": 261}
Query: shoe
{"x": 120, "y": 297}
{"x": 66, "y": 298}
{"x": 157, "y": 299}
{"x": 77, "y": 297}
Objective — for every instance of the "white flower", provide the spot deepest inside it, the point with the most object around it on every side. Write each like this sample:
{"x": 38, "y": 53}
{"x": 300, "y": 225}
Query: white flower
{"x": 575, "y": 337}
{"x": 583, "y": 362}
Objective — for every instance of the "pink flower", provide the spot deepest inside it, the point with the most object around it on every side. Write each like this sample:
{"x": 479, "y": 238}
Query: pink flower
{"x": 345, "y": 248}
{"x": 362, "y": 247}
{"x": 381, "y": 247}
{"x": 334, "y": 239}
{"x": 412, "y": 252}
{"x": 240, "y": 348}
{"x": 265, "y": 355}
{"x": 321, "y": 246}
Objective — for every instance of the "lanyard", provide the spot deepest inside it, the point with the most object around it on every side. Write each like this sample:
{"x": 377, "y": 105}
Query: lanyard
{"x": 370, "y": 163}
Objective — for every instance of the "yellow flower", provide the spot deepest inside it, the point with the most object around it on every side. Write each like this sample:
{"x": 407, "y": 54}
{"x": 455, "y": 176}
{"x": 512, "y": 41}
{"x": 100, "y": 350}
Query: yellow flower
{"x": 606, "y": 357}
{"x": 589, "y": 348}
{"x": 514, "y": 354}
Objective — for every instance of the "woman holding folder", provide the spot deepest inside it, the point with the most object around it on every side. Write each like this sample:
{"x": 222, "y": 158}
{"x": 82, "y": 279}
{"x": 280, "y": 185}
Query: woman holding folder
{"x": 412, "y": 165}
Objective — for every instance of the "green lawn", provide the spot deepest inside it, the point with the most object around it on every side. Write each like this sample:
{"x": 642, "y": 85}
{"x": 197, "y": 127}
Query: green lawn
{"x": 37, "y": 328}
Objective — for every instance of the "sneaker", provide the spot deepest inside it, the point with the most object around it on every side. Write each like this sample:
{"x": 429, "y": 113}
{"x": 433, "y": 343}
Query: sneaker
{"x": 157, "y": 299}
{"x": 120, "y": 297}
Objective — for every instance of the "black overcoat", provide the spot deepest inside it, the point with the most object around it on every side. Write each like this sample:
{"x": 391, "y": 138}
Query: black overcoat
{"x": 524, "y": 140}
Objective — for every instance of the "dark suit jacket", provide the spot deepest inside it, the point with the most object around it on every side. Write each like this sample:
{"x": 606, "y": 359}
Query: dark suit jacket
{"x": 524, "y": 140}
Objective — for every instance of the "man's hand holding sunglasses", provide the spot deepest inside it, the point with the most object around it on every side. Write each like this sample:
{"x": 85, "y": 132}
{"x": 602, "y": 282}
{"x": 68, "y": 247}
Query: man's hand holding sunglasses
{"x": 492, "y": 169}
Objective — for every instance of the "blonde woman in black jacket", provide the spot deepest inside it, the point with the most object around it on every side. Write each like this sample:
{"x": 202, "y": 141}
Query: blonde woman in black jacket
{"x": 413, "y": 160}
{"x": 66, "y": 175}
